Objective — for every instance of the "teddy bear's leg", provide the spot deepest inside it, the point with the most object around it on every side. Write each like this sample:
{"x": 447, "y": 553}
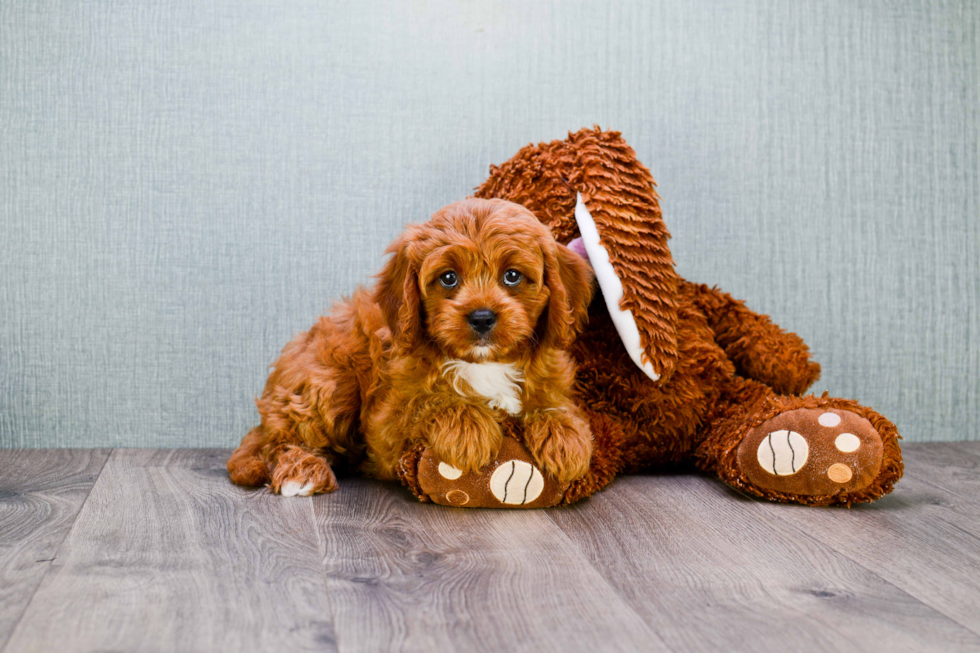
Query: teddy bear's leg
{"x": 809, "y": 450}
{"x": 759, "y": 349}
{"x": 512, "y": 480}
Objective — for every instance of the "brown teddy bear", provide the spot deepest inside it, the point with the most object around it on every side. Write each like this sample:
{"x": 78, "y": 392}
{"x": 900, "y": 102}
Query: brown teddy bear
{"x": 669, "y": 372}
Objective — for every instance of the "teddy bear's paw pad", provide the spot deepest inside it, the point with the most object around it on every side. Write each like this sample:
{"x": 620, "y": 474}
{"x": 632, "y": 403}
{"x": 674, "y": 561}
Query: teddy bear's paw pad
{"x": 449, "y": 472}
{"x": 510, "y": 481}
{"x": 516, "y": 483}
{"x": 812, "y": 452}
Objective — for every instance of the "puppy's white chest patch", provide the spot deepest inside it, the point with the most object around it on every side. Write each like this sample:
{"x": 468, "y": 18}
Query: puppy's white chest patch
{"x": 499, "y": 383}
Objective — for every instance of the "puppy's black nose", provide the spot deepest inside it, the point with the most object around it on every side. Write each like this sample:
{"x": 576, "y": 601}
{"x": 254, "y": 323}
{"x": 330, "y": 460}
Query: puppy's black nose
{"x": 482, "y": 320}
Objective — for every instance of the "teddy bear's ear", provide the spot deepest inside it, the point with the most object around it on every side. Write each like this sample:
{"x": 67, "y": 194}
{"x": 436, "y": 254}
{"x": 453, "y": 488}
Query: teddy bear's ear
{"x": 656, "y": 361}
{"x": 593, "y": 180}
{"x": 617, "y": 203}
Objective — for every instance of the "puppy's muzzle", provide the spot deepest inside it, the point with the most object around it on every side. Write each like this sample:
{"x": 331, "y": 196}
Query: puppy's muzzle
{"x": 482, "y": 320}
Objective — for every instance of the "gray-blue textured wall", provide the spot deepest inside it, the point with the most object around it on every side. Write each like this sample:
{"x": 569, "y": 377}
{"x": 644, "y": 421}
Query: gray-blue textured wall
{"x": 186, "y": 184}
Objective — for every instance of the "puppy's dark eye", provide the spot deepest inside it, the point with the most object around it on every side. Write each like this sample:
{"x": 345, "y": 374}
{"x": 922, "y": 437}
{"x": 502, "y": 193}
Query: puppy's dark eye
{"x": 448, "y": 279}
{"x": 512, "y": 278}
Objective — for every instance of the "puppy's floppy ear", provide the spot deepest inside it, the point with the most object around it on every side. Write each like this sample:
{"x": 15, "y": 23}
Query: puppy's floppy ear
{"x": 397, "y": 291}
{"x": 569, "y": 280}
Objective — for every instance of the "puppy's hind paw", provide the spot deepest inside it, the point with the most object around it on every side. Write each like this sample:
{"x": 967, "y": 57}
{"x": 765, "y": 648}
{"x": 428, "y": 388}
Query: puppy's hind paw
{"x": 295, "y": 489}
{"x": 300, "y": 473}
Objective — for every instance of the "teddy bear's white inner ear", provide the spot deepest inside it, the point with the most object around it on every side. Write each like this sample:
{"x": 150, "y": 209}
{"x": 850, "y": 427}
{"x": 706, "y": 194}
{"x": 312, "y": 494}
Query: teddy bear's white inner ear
{"x": 612, "y": 288}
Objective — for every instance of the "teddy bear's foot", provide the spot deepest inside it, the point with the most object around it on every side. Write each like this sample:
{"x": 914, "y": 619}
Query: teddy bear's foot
{"x": 510, "y": 481}
{"x": 811, "y": 452}
{"x": 834, "y": 453}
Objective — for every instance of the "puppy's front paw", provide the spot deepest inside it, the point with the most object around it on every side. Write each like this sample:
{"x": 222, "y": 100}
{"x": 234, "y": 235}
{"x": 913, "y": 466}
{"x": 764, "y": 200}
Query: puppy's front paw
{"x": 465, "y": 437}
{"x": 560, "y": 441}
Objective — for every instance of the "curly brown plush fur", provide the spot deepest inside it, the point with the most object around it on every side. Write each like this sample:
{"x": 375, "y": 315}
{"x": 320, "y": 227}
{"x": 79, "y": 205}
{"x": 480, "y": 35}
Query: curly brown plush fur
{"x": 726, "y": 373}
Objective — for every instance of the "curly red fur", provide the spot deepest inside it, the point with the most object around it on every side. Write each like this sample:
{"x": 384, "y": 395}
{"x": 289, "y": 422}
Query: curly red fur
{"x": 380, "y": 374}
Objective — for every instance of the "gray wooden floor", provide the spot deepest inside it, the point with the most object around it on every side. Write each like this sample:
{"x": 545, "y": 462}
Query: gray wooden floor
{"x": 154, "y": 550}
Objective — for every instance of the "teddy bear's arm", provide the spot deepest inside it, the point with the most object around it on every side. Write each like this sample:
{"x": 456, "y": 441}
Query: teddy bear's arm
{"x": 760, "y": 349}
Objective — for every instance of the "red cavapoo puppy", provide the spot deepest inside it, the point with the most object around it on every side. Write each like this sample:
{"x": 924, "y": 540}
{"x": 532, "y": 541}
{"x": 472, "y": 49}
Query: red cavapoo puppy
{"x": 466, "y": 327}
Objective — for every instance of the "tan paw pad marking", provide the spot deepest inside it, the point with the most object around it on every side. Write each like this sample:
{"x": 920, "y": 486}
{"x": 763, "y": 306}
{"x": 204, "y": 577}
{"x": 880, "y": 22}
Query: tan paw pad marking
{"x": 516, "y": 482}
{"x": 783, "y": 453}
{"x": 847, "y": 442}
{"x": 830, "y": 420}
{"x": 449, "y": 472}
{"x": 839, "y": 473}
{"x": 457, "y": 497}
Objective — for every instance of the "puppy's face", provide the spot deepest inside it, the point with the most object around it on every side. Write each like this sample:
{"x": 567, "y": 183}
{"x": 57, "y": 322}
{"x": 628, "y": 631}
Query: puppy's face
{"x": 482, "y": 280}
{"x": 482, "y": 295}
